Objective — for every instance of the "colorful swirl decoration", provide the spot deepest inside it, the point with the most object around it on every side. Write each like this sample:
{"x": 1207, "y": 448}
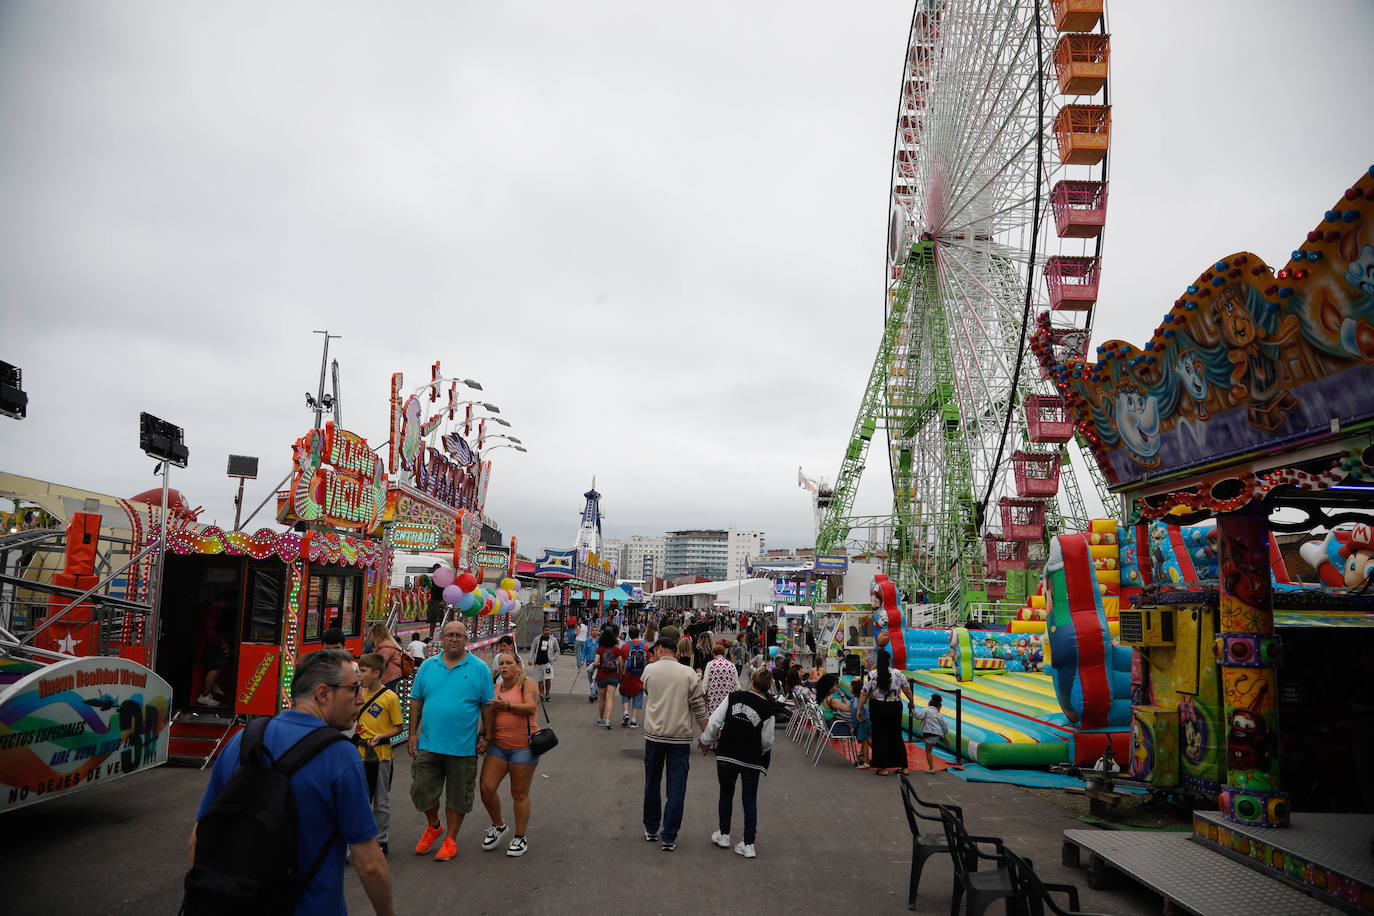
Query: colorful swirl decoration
{"x": 212, "y": 541}
{"x": 315, "y": 546}
{"x": 341, "y": 550}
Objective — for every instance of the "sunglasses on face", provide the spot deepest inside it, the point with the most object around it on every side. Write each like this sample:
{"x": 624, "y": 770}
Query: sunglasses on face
{"x": 355, "y": 686}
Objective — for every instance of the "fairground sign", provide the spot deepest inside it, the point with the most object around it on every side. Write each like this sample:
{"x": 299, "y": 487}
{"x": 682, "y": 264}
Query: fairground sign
{"x": 337, "y": 481}
{"x": 79, "y": 722}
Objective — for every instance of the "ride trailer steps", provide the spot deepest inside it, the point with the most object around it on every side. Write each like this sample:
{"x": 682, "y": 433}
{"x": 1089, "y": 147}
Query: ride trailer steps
{"x": 197, "y": 736}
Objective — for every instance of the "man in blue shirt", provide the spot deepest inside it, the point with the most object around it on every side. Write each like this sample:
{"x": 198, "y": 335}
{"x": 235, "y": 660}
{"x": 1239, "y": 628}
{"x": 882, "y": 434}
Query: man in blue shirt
{"x": 450, "y": 724}
{"x": 330, "y": 790}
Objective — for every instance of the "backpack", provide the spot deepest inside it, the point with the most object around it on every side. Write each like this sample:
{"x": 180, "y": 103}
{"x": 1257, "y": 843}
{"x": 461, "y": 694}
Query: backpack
{"x": 606, "y": 660}
{"x": 246, "y": 842}
{"x": 407, "y": 665}
{"x": 637, "y": 661}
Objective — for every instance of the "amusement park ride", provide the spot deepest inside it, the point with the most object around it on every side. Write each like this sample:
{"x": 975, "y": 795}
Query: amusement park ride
{"x": 998, "y": 202}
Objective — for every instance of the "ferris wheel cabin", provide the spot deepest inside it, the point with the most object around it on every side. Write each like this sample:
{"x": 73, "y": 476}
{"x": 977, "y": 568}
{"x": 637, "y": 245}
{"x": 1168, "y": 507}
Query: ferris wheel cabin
{"x": 1076, "y": 15}
{"x": 1072, "y": 282}
{"x": 1080, "y": 208}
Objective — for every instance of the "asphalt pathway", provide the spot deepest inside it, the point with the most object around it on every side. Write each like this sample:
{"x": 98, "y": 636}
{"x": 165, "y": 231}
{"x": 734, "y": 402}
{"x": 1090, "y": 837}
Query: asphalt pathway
{"x": 830, "y": 838}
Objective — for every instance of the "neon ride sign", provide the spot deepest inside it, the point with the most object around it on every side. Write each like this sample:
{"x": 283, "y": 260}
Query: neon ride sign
{"x": 337, "y": 480}
{"x": 458, "y": 481}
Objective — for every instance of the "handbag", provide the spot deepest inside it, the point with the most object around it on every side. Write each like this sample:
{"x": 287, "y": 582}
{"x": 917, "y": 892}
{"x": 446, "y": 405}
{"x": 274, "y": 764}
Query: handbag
{"x": 543, "y": 740}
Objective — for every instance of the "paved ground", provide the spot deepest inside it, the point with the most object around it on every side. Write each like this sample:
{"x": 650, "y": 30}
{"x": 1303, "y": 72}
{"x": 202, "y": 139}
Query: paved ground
{"x": 829, "y": 837}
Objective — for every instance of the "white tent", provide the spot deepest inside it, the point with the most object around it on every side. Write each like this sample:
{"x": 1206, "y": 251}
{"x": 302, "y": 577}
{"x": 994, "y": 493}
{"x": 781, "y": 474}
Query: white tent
{"x": 743, "y": 594}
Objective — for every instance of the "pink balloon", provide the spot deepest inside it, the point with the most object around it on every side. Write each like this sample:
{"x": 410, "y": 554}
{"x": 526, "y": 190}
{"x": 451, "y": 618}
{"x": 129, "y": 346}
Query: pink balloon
{"x": 443, "y": 577}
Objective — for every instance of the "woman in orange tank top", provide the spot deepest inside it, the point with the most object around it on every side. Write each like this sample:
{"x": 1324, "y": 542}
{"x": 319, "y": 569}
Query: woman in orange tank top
{"x": 514, "y": 705}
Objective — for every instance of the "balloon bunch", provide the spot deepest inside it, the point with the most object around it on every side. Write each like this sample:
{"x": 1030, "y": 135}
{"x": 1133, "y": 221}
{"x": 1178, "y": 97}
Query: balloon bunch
{"x": 462, "y": 591}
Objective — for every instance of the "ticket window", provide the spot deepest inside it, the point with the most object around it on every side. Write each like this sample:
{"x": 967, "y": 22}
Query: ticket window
{"x": 334, "y": 598}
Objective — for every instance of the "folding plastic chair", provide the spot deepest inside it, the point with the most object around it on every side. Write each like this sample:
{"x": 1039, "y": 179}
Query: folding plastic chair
{"x": 828, "y": 731}
{"x": 1034, "y": 894}
{"x": 982, "y": 887}
{"x": 923, "y": 845}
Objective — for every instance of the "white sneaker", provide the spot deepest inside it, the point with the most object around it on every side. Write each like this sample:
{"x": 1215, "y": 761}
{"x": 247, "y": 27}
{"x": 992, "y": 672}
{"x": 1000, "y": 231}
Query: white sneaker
{"x": 206, "y": 699}
{"x": 721, "y": 839}
{"x": 493, "y": 834}
{"x": 517, "y": 847}
{"x": 744, "y": 849}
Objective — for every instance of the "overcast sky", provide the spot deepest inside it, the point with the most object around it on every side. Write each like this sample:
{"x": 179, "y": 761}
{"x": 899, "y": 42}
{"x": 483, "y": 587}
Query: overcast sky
{"x": 655, "y": 233}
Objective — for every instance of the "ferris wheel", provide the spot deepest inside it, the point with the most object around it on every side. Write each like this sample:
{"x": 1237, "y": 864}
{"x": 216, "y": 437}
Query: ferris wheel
{"x": 998, "y": 201}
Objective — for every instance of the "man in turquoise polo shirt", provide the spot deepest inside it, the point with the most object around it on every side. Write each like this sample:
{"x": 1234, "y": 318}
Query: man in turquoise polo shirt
{"x": 450, "y": 724}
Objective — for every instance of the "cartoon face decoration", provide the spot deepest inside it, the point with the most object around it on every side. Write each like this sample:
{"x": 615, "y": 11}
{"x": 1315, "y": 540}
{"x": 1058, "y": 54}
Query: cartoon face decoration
{"x": 1237, "y": 324}
{"x": 1137, "y": 419}
{"x": 1192, "y": 375}
{"x": 1194, "y": 733}
{"x": 1142, "y": 750}
{"x": 1360, "y": 272}
{"x": 1247, "y": 740}
{"x": 1357, "y": 556}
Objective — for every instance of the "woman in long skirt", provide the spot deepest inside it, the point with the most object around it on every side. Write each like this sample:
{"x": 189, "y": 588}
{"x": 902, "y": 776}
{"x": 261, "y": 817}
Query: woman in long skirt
{"x": 883, "y": 692}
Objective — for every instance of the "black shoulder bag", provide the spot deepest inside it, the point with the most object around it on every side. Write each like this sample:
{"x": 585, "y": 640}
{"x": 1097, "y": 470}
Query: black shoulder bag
{"x": 543, "y": 740}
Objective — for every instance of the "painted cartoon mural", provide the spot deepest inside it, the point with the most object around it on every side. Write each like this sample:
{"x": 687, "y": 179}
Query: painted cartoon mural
{"x": 1247, "y": 359}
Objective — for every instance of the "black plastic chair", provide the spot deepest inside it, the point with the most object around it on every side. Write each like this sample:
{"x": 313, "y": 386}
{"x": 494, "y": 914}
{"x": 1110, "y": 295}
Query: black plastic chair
{"x": 1034, "y": 894}
{"x": 923, "y": 845}
{"x": 982, "y": 887}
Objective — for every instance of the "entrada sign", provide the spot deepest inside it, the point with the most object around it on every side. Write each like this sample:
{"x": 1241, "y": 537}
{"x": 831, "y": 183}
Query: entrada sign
{"x": 407, "y": 535}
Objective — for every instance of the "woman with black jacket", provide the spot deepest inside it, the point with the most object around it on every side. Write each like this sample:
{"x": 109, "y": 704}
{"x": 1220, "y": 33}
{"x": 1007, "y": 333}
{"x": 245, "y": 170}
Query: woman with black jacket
{"x": 741, "y": 732}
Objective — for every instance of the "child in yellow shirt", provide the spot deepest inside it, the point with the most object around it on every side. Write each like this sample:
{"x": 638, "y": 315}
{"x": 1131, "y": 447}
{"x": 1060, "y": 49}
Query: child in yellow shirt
{"x": 379, "y": 720}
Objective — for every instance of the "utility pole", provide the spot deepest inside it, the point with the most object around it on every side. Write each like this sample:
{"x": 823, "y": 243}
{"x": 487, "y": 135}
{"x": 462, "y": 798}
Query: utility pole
{"x": 324, "y": 364}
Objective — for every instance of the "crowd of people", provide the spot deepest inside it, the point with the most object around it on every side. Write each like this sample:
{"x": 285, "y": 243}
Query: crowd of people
{"x": 711, "y": 683}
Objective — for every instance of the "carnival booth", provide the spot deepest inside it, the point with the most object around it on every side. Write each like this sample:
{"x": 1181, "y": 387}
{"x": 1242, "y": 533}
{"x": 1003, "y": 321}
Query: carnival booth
{"x": 268, "y": 597}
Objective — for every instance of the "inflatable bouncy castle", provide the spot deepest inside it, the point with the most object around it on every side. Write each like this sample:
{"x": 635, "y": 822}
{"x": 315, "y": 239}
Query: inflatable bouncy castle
{"x": 1012, "y": 713}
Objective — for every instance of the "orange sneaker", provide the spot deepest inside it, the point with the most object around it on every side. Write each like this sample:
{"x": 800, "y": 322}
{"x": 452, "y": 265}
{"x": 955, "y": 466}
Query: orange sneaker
{"x": 447, "y": 850}
{"x": 427, "y": 839}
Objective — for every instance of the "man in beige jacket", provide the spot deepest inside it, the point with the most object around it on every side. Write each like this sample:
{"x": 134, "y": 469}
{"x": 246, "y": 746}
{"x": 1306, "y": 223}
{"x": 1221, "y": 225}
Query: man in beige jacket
{"x": 674, "y": 713}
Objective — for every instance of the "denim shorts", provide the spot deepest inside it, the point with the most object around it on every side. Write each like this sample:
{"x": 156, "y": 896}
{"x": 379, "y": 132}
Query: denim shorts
{"x": 607, "y": 681}
{"x": 520, "y": 756}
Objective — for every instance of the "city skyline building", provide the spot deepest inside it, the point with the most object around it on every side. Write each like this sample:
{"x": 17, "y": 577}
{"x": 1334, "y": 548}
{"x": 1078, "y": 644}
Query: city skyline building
{"x": 636, "y": 550}
{"x": 741, "y": 547}
{"x": 697, "y": 552}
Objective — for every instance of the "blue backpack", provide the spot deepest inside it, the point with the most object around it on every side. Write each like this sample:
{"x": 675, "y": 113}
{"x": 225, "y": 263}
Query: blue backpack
{"x": 637, "y": 660}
